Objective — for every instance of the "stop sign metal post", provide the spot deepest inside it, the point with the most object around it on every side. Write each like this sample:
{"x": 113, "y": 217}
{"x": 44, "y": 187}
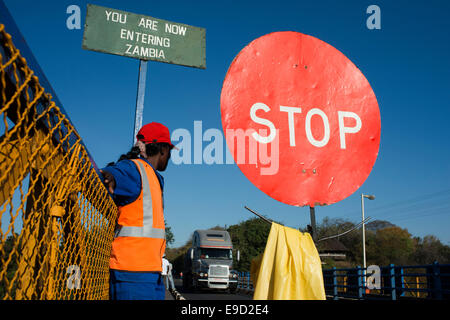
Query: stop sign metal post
{"x": 309, "y": 117}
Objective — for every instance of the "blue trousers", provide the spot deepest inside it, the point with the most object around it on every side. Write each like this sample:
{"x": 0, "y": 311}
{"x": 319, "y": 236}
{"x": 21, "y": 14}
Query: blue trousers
{"x": 136, "y": 286}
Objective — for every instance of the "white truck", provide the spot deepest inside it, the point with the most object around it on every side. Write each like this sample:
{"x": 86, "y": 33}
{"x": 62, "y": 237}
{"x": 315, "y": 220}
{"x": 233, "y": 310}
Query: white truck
{"x": 208, "y": 263}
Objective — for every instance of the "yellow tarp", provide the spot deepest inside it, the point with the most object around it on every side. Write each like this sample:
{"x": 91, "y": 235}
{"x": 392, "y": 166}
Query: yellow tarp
{"x": 289, "y": 269}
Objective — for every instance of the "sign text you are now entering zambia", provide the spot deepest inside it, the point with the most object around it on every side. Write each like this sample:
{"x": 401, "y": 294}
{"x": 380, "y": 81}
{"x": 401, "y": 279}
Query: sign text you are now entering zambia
{"x": 143, "y": 37}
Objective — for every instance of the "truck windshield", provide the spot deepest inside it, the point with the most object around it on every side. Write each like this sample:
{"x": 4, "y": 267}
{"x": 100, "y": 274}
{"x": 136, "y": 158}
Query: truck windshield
{"x": 212, "y": 253}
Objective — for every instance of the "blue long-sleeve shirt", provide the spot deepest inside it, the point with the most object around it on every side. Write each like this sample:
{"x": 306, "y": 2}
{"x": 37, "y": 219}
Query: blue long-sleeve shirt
{"x": 128, "y": 188}
{"x": 128, "y": 181}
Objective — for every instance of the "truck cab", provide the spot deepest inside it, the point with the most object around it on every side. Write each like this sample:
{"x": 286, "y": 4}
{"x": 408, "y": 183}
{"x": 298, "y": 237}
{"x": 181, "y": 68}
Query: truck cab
{"x": 209, "y": 262}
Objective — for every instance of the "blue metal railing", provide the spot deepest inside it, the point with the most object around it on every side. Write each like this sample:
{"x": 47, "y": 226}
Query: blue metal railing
{"x": 396, "y": 283}
{"x": 245, "y": 281}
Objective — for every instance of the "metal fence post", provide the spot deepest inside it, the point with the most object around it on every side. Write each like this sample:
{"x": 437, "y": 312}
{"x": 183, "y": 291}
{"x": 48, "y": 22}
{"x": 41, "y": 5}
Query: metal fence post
{"x": 437, "y": 281}
{"x": 248, "y": 280}
{"x": 139, "y": 113}
{"x": 402, "y": 281}
{"x": 393, "y": 289}
{"x": 335, "y": 283}
{"x": 360, "y": 287}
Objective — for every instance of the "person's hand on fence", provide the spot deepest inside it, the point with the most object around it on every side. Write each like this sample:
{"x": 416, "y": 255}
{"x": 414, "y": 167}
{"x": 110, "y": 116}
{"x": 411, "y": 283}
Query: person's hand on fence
{"x": 109, "y": 181}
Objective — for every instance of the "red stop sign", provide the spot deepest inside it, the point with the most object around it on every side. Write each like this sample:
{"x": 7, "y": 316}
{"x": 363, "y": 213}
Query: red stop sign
{"x": 300, "y": 119}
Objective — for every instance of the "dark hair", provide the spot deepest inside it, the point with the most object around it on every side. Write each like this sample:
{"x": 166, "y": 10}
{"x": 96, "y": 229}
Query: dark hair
{"x": 151, "y": 149}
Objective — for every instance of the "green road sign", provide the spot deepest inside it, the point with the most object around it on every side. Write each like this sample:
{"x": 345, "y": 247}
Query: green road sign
{"x": 143, "y": 37}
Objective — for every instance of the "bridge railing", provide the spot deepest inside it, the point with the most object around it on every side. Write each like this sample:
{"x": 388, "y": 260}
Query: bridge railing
{"x": 57, "y": 219}
{"x": 245, "y": 281}
{"x": 396, "y": 283}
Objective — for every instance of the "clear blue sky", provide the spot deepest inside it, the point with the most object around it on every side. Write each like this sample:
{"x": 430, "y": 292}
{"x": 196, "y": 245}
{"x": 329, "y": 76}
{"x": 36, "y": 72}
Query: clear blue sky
{"x": 407, "y": 63}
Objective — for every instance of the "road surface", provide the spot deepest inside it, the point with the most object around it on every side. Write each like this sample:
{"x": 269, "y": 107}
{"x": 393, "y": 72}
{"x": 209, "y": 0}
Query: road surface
{"x": 206, "y": 294}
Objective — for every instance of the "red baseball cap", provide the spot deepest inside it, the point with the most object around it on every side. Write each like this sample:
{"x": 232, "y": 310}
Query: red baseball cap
{"x": 154, "y": 132}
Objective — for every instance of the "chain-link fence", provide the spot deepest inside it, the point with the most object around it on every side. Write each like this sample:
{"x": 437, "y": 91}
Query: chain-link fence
{"x": 57, "y": 219}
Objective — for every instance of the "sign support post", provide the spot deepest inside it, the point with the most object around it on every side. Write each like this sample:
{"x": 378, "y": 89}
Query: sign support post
{"x": 312, "y": 214}
{"x": 140, "y": 98}
{"x": 145, "y": 38}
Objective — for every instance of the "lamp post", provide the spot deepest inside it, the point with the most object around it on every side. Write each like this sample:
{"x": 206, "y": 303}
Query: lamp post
{"x": 370, "y": 197}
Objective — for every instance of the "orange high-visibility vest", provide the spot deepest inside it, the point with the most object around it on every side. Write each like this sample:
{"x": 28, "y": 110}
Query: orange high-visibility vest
{"x": 140, "y": 239}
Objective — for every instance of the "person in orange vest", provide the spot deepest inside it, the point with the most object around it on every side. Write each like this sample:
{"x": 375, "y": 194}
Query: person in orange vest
{"x": 139, "y": 241}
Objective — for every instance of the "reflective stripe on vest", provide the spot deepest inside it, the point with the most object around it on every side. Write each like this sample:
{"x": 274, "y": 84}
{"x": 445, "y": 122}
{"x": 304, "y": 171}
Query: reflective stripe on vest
{"x": 147, "y": 230}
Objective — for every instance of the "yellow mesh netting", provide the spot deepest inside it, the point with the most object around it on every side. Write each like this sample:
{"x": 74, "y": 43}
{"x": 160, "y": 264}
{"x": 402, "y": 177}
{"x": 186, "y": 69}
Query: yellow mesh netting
{"x": 57, "y": 220}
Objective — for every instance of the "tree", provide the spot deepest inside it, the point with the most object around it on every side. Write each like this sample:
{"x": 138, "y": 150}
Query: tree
{"x": 378, "y": 225}
{"x": 330, "y": 227}
{"x": 430, "y": 249}
{"x": 385, "y": 244}
{"x": 250, "y": 238}
{"x": 390, "y": 245}
{"x": 176, "y": 255}
{"x": 170, "y": 238}
{"x": 352, "y": 240}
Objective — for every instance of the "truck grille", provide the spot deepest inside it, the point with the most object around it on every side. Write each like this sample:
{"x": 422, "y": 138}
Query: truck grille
{"x": 218, "y": 271}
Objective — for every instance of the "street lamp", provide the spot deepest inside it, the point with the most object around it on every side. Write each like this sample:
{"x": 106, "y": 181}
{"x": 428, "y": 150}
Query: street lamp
{"x": 370, "y": 197}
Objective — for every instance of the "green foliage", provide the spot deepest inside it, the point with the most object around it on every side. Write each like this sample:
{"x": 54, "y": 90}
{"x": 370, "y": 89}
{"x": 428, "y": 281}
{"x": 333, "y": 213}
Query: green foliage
{"x": 430, "y": 249}
{"x": 352, "y": 240}
{"x": 170, "y": 238}
{"x": 176, "y": 256}
{"x": 6, "y": 249}
{"x": 391, "y": 245}
{"x": 386, "y": 243}
{"x": 250, "y": 238}
{"x": 329, "y": 263}
{"x": 378, "y": 224}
